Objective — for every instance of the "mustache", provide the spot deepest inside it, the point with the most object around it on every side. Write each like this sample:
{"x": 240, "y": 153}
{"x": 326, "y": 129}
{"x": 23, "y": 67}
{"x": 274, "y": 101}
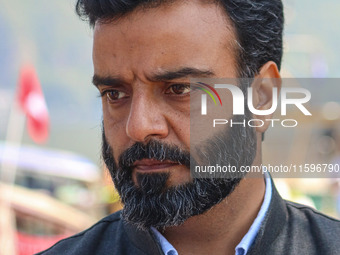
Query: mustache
{"x": 154, "y": 149}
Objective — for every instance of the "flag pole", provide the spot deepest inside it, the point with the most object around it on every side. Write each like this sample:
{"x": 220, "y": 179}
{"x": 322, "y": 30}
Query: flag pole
{"x": 14, "y": 134}
{"x": 13, "y": 140}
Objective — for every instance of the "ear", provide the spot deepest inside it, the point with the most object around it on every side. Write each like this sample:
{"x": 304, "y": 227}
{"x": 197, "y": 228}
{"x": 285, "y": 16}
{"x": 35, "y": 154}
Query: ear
{"x": 268, "y": 78}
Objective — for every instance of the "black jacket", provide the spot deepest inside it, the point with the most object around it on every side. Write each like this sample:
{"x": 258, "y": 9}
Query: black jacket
{"x": 288, "y": 228}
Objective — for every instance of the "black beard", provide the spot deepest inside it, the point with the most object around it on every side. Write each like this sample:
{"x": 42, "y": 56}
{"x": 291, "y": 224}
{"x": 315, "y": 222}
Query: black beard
{"x": 152, "y": 203}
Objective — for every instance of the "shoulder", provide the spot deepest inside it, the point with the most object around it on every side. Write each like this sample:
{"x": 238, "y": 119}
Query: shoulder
{"x": 305, "y": 214}
{"x": 291, "y": 228}
{"x": 100, "y": 236}
{"x": 309, "y": 228}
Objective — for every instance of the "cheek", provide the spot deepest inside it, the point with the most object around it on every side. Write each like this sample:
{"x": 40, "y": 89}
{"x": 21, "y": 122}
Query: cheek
{"x": 182, "y": 131}
{"x": 217, "y": 119}
{"x": 115, "y": 129}
{"x": 179, "y": 121}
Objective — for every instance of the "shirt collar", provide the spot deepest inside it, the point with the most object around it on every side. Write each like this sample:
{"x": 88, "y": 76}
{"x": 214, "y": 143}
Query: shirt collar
{"x": 167, "y": 248}
{"x": 243, "y": 247}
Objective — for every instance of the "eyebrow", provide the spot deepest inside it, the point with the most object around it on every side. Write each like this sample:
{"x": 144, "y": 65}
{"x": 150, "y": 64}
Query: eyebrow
{"x": 106, "y": 80}
{"x": 169, "y": 75}
{"x": 166, "y": 75}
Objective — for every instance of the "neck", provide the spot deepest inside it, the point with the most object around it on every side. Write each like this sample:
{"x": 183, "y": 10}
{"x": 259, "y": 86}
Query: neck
{"x": 222, "y": 227}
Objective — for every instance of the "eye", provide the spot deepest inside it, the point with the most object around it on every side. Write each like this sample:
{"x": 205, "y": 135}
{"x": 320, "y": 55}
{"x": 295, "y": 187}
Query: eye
{"x": 114, "y": 95}
{"x": 178, "y": 89}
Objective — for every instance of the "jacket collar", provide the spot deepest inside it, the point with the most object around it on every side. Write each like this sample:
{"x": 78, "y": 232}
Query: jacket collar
{"x": 273, "y": 223}
{"x": 143, "y": 240}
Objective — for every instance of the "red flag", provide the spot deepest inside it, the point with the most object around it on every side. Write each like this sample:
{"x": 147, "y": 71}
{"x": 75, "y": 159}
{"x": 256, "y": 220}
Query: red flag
{"x": 31, "y": 100}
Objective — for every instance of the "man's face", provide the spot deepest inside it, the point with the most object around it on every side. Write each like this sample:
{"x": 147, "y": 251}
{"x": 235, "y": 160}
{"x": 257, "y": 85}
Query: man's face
{"x": 147, "y": 45}
{"x": 142, "y": 65}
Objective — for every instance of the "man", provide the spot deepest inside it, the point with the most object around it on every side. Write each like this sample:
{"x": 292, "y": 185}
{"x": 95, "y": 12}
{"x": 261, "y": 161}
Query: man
{"x": 144, "y": 55}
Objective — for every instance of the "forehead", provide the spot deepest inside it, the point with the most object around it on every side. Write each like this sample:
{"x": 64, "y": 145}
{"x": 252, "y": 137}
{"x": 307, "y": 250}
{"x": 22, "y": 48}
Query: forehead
{"x": 185, "y": 33}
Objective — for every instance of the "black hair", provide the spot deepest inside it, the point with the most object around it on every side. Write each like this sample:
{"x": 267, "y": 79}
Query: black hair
{"x": 258, "y": 25}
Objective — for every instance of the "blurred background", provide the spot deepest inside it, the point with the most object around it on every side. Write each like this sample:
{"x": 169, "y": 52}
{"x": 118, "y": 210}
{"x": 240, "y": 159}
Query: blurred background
{"x": 61, "y": 186}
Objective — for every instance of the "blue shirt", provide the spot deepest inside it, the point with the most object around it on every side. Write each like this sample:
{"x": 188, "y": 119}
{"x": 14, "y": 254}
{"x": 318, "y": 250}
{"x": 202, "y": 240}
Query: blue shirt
{"x": 246, "y": 242}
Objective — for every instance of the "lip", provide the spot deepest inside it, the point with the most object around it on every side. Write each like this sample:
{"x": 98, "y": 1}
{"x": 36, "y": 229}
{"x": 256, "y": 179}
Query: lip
{"x": 146, "y": 165}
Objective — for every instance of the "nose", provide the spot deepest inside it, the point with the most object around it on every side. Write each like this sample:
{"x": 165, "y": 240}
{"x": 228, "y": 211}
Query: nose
{"x": 146, "y": 119}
